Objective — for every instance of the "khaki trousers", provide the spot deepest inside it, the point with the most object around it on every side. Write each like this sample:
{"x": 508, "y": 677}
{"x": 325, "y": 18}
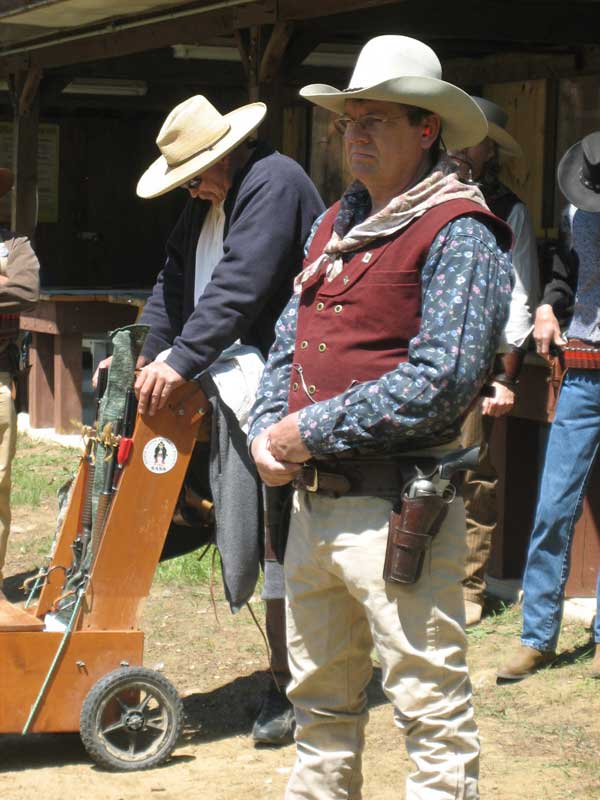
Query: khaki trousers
{"x": 338, "y": 607}
{"x": 479, "y": 495}
{"x": 8, "y": 443}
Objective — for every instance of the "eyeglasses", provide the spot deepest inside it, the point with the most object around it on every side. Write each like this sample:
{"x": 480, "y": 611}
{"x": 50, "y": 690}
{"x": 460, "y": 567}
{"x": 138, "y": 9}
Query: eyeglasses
{"x": 193, "y": 183}
{"x": 369, "y": 123}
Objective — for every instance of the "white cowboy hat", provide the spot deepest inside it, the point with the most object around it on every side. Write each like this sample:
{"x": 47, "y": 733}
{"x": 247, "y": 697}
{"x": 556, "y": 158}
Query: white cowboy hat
{"x": 194, "y": 137}
{"x": 399, "y": 69}
{"x": 497, "y": 119}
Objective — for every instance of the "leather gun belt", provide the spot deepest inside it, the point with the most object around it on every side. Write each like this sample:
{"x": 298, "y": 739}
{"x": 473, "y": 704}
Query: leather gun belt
{"x": 374, "y": 478}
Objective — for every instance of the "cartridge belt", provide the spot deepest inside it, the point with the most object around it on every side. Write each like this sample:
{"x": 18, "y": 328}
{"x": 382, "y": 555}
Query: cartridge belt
{"x": 581, "y": 355}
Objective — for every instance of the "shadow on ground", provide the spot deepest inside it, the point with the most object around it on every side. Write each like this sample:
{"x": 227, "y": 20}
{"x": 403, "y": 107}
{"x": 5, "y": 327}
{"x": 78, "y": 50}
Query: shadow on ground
{"x": 580, "y": 653}
{"x": 38, "y": 751}
{"x": 230, "y": 710}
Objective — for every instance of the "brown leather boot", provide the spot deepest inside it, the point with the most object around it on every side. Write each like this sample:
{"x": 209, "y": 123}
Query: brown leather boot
{"x": 595, "y": 668}
{"x": 525, "y": 662}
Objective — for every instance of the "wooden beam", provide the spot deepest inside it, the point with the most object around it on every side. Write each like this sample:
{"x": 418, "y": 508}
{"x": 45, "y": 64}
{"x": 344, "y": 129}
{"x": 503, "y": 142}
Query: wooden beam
{"x": 507, "y": 67}
{"x": 242, "y": 41}
{"x": 26, "y": 104}
{"x": 303, "y": 42}
{"x": 263, "y": 12}
{"x": 549, "y": 165}
{"x": 11, "y": 6}
{"x": 310, "y": 9}
{"x": 29, "y": 91}
{"x": 548, "y": 23}
{"x": 253, "y": 56}
{"x": 271, "y": 63}
{"x": 112, "y": 45}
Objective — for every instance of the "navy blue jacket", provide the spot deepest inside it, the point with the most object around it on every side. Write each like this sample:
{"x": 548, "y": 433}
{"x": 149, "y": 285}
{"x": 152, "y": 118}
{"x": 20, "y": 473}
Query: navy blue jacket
{"x": 269, "y": 213}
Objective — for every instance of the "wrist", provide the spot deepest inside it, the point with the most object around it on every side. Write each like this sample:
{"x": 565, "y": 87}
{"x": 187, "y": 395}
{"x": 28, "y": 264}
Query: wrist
{"x": 507, "y": 366}
{"x": 545, "y": 311}
{"x": 506, "y": 381}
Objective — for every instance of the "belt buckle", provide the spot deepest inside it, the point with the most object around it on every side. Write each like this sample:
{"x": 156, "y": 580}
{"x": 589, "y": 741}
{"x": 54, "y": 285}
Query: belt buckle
{"x": 313, "y": 486}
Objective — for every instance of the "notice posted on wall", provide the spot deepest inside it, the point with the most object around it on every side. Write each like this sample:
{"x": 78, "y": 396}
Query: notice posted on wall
{"x": 47, "y": 167}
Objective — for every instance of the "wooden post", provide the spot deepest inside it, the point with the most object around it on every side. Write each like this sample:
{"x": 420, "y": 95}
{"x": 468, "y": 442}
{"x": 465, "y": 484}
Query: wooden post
{"x": 67, "y": 382}
{"x": 271, "y": 77}
{"x": 263, "y": 50}
{"x": 41, "y": 381}
{"x": 26, "y": 105}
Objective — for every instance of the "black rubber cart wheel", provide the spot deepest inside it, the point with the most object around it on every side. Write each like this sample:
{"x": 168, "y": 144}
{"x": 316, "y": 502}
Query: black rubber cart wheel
{"x": 131, "y": 719}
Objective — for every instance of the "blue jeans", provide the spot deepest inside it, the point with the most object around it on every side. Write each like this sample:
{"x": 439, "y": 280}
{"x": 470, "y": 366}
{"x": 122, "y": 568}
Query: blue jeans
{"x": 572, "y": 447}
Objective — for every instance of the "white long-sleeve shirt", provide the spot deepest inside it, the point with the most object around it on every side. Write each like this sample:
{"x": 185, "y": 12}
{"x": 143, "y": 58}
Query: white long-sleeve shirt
{"x": 526, "y": 291}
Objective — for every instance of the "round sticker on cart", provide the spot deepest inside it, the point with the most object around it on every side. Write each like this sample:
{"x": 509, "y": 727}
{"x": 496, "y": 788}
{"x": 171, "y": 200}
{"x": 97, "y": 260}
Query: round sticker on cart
{"x": 160, "y": 455}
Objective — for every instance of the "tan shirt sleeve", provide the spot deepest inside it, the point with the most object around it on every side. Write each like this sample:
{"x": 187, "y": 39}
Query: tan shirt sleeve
{"x": 21, "y": 290}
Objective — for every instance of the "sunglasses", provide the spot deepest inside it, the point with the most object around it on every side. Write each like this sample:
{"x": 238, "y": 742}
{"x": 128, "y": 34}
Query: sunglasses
{"x": 193, "y": 183}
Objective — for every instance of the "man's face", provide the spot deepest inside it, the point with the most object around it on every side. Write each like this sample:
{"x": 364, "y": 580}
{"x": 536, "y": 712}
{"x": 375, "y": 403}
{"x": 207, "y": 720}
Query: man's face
{"x": 388, "y": 151}
{"x": 472, "y": 160}
{"x": 214, "y": 183}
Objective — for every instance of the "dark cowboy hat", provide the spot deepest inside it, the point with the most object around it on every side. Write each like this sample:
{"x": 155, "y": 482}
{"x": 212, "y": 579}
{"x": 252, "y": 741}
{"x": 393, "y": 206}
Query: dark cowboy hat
{"x": 6, "y": 181}
{"x": 579, "y": 173}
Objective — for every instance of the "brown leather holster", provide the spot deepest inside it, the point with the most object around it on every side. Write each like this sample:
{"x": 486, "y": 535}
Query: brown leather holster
{"x": 412, "y": 528}
{"x": 555, "y": 379}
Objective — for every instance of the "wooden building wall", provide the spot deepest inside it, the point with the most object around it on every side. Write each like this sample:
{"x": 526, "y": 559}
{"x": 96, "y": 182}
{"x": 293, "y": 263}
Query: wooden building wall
{"x": 525, "y": 103}
{"x": 104, "y": 235}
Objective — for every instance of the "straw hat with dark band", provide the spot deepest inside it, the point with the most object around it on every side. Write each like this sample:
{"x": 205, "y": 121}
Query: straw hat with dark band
{"x": 497, "y": 119}
{"x": 399, "y": 69}
{"x": 579, "y": 173}
{"x": 194, "y": 137}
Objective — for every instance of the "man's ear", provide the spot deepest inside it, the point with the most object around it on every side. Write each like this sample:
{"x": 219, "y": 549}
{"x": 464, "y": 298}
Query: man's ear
{"x": 430, "y": 130}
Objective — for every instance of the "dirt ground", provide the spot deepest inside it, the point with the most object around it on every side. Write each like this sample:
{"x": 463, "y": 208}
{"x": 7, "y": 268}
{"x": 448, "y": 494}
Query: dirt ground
{"x": 540, "y": 739}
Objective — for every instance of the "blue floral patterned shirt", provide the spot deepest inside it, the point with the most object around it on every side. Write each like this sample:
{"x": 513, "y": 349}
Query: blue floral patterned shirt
{"x": 466, "y": 287}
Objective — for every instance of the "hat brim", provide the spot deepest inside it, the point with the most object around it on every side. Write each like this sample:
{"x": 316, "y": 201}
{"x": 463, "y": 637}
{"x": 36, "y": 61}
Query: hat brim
{"x": 160, "y": 178}
{"x": 568, "y": 175}
{"x": 463, "y": 122}
{"x": 507, "y": 144}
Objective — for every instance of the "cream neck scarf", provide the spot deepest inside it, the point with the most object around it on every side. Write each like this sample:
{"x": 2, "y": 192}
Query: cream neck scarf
{"x": 436, "y": 188}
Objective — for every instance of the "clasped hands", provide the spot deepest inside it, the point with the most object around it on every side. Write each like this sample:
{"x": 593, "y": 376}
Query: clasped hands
{"x": 279, "y": 452}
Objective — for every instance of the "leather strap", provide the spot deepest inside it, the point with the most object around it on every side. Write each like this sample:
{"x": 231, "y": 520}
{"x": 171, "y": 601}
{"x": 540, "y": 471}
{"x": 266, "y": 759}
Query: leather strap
{"x": 313, "y": 479}
{"x": 376, "y": 478}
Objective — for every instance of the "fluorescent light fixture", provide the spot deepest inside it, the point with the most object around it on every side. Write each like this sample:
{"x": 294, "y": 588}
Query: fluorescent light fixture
{"x": 321, "y": 56}
{"x": 206, "y": 52}
{"x": 341, "y": 56}
{"x": 106, "y": 86}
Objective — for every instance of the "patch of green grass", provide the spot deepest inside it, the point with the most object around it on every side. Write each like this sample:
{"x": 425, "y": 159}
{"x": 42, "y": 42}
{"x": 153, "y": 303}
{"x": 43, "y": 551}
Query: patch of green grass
{"x": 189, "y": 569}
{"x": 43, "y": 545}
{"x": 39, "y": 470}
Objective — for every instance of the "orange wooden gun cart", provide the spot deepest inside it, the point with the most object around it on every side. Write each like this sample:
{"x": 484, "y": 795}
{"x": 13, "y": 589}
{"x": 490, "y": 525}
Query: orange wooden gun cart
{"x": 89, "y": 677}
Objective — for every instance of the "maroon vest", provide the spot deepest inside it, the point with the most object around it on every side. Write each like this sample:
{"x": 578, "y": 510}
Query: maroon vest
{"x": 357, "y": 326}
